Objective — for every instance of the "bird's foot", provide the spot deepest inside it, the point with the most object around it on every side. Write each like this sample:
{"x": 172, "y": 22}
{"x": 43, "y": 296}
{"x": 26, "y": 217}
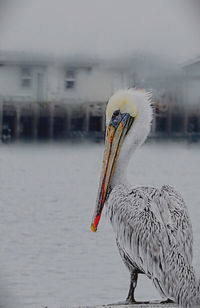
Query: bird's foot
{"x": 167, "y": 301}
{"x": 131, "y": 300}
{"x": 139, "y": 302}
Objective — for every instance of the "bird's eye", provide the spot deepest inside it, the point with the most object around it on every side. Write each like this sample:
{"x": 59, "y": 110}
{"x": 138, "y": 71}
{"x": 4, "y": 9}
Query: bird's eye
{"x": 116, "y": 113}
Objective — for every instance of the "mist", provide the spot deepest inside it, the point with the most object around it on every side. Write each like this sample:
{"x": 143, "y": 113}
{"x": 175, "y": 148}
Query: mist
{"x": 106, "y": 28}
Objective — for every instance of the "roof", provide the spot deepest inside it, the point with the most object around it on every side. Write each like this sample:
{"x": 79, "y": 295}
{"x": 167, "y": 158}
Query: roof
{"x": 29, "y": 58}
{"x": 73, "y": 61}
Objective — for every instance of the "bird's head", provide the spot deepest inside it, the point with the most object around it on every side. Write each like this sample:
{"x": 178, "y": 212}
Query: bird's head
{"x": 128, "y": 114}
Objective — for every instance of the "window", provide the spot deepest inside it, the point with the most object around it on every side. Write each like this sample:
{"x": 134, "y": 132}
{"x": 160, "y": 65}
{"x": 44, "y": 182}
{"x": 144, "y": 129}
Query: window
{"x": 69, "y": 84}
{"x": 26, "y": 77}
{"x": 70, "y": 79}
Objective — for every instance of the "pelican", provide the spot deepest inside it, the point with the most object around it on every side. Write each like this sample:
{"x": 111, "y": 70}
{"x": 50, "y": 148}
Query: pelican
{"x": 152, "y": 226}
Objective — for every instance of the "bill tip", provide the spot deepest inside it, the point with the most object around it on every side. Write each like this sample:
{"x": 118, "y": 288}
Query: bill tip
{"x": 93, "y": 228}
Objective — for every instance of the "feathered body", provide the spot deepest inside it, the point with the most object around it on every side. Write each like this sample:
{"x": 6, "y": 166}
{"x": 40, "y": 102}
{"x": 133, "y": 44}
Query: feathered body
{"x": 152, "y": 226}
{"x": 154, "y": 236}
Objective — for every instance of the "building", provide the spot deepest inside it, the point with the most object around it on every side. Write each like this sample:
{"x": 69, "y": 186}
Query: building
{"x": 44, "y": 97}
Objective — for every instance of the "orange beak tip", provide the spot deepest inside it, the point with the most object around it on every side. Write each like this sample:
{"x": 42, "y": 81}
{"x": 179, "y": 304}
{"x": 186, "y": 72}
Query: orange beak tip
{"x": 93, "y": 228}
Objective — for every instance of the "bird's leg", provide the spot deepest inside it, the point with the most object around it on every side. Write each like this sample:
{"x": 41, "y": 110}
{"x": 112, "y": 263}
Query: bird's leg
{"x": 130, "y": 298}
{"x": 133, "y": 283}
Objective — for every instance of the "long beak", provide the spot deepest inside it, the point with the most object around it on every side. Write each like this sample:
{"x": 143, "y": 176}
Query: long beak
{"x": 116, "y": 131}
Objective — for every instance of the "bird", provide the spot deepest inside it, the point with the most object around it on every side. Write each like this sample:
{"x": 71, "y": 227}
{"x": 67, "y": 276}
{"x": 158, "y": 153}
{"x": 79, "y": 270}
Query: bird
{"x": 152, "y": 226}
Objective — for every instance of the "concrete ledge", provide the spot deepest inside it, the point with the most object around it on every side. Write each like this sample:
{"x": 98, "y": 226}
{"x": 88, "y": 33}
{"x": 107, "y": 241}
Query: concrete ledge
{"x": 144, "y": 305}
{"x": 147, "y": 305}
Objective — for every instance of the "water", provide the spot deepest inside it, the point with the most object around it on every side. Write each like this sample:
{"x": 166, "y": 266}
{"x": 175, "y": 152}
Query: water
{"x": 48, "y": 255}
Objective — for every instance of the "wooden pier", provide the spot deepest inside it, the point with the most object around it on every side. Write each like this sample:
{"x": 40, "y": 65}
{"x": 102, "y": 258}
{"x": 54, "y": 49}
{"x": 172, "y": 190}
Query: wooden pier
{"x": 49, "y": 120}
{"x": 84, "y": 120}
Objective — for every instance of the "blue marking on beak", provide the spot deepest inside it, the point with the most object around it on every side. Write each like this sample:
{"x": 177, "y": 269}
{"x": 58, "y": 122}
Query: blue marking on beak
{"x": 118, "y": 117}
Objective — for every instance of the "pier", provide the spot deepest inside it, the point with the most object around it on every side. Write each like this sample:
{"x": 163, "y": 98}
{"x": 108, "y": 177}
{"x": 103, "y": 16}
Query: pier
{"x": 51, "y": 121}
{"x": 21, "y": 120}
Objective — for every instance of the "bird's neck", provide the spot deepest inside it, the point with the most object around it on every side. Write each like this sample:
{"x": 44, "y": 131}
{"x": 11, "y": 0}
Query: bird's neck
{"x": 121, "y": 169}
{"x": 133, "y": 140}
{"x": 120, "y": 176}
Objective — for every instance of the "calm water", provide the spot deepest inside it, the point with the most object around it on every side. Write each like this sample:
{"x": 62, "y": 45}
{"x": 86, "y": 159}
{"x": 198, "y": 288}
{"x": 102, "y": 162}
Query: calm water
{"x": 48, "y": 255}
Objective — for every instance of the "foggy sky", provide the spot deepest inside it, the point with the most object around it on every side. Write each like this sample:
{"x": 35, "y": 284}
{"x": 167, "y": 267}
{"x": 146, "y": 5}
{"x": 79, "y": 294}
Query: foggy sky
{"x": 102, "y": 27}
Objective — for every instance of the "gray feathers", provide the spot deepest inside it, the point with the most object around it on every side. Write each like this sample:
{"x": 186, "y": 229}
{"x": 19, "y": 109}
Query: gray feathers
{"x": 154, "y": 236}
